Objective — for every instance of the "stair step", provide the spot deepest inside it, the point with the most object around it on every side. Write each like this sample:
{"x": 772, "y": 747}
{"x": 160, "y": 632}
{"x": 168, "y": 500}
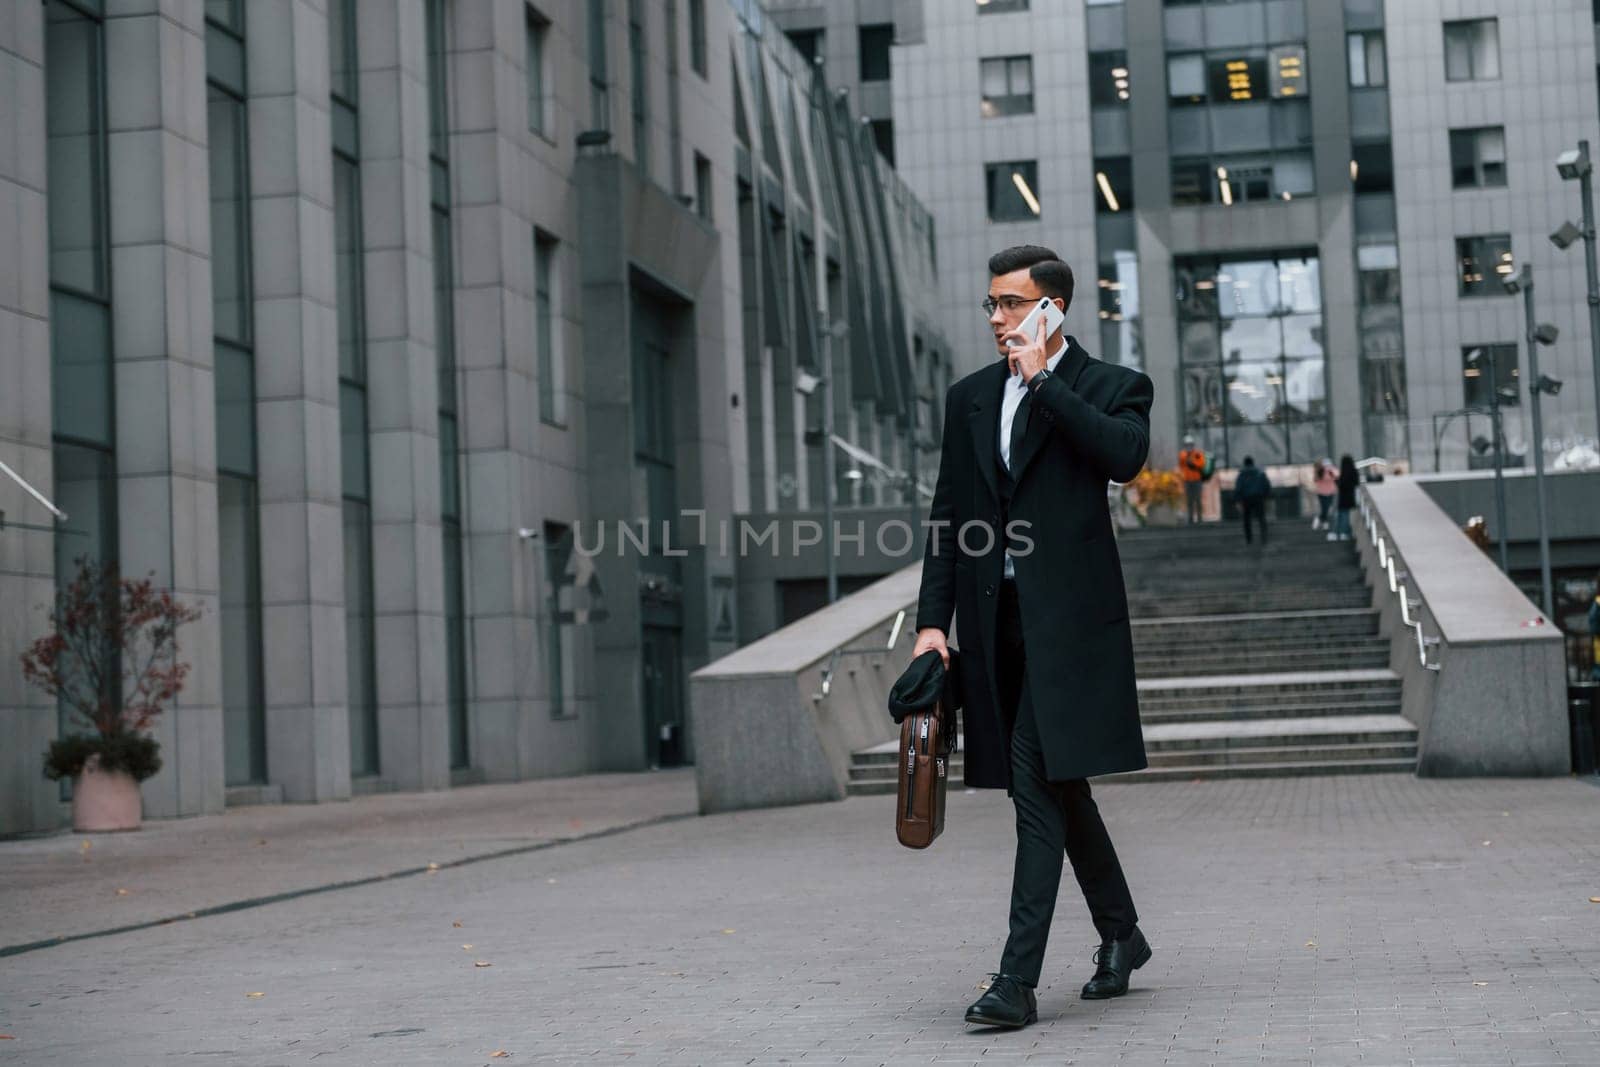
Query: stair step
{"x": 1262, "y": 770}
{"x": 1286, "y": 754}
{"x": 1222, "y": 713}
{"x": 1190, "y": 666}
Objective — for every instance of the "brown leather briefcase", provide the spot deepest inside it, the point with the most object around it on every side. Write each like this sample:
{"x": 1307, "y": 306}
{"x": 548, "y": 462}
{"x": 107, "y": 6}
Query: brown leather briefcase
{"x": 927, "y": 738}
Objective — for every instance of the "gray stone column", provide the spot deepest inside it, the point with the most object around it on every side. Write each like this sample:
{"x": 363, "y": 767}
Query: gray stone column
{"x": 27, "y": 567}
{"x": 497, "y": 389}
{"x": 402, "y": 396}
{"x": 1341, "y": 345}
{"x": 161, "y": 337}
{"x": 297, "y": 400}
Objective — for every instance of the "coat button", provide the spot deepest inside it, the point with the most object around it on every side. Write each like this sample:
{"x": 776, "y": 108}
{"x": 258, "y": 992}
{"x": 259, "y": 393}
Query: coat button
{"x": 988, "y": 590}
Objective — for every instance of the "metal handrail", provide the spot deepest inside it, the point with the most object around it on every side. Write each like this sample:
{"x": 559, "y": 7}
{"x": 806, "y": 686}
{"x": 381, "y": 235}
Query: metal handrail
{"x": 833, "y": 660}
{"x": 1397, "y": 584}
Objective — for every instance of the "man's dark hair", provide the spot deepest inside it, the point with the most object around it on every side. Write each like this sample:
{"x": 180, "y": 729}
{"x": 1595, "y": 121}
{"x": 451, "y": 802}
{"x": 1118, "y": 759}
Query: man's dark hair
{"x": 1249, "y": 461}
{"x": 1049, "y": 273}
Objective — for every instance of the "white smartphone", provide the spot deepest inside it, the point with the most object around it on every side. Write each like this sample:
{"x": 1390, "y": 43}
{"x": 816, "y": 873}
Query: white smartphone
{"x": 1053, "y": 318}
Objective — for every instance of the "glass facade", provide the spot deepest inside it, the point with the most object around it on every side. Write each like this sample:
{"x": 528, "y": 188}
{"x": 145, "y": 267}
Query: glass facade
{"x": 1251, "y": 355}
{"x": 1116, "y": 243}
{"x": 1239, "y": 121}
{"x": 639, "y": 77}
{"x": 455, "y": 616}
{"x": 238, "y": 512}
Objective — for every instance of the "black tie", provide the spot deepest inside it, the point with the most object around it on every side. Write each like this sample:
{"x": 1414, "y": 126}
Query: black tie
{"x": 1019, "y": 427}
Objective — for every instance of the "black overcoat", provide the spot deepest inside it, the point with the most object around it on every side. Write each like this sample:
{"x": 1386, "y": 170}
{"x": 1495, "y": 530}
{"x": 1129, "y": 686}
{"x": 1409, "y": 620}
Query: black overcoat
{"x": 1090, "y": 424}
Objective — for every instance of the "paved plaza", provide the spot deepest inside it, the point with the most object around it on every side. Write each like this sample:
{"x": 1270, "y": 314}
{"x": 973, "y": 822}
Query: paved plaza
{"x": 1336, "y": 920}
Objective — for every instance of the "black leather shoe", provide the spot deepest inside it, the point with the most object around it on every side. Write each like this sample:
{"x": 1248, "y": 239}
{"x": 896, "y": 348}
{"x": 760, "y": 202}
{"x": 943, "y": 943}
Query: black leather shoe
{"x": 1009, "y": 1002}
{"x": 1117, "y": 960}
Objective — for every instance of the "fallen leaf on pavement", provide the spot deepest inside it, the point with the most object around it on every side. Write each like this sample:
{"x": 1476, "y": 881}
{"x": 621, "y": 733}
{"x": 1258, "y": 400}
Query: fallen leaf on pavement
{"x": 727, "y": 931}
{"x": 1480, "y": 983}
{"x": 499, "y": 1054}
{"x": 6, "y": 1037}
{"x": 483, "y": 963}
{"x": 465, "y": 947}
{"x": 1311, "y": 944}
{"x": 122, "y": 892}
{"x": 254, "y": 996}
{"x": 457, "y": 924}
{"x": 1487, "y": 843}
{"x": 1594, "y": 900}
{"x": 432, "y": 867}
{"x": 261, "y": 840}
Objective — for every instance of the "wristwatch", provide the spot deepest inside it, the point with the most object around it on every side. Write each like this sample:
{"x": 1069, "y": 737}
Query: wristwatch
{"x": 1038, "y": 378}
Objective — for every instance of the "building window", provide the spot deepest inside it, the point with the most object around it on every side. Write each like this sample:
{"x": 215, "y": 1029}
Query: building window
{"x": 697, "y": 36}
{"x": 883, "y": 138}
{"x": 1483, "y": 262}
{"x": 233, "y": 380}
{"x": 1372, "y": 168}
{"x": 599, "y": 79}
{"x": 552, "y": 386}
{"x": 1113, "y": 179}
{"x": 538, "y": 35}
{"x": 1007, "y": 85}
{"x": 1108, "y": 79}
{"x": 448, "y": 412}
{"x": 1001, "y": 7}
{"x": 1472, "y": 50}
{"x": 1476, "y": 374}
{"x": 1243, "y": 179}
{"x": 702, "y": 187}
{"x": 875, "y": 41}
{"x": 808, "y": 43}
{"x": 1478, "y": 157}
{"x": 639, "y": 76}
{"x": 1012, "y": 190}
{"x": 1368, "y": 64}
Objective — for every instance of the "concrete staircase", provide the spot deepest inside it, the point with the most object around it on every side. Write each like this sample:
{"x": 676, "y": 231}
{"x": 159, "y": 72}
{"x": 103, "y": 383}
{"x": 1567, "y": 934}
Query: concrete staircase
{"x": 1252, "y": 662}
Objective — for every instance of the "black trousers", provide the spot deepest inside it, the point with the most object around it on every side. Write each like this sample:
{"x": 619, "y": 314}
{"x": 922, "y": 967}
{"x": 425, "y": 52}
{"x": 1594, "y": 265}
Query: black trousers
{"x": 1258, "y": 510}
{"x": 1052, "y": 818}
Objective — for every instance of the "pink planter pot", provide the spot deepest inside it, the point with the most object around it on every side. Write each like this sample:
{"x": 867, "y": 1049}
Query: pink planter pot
{"x": 105, "y": 800}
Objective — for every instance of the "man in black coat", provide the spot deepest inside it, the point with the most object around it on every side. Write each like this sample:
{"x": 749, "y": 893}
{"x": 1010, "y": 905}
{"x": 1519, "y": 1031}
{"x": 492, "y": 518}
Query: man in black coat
{"x": 1021, "y": 551}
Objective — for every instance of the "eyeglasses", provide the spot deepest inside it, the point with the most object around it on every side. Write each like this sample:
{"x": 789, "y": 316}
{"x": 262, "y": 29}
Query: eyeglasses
{"x": 1009, "y": 303}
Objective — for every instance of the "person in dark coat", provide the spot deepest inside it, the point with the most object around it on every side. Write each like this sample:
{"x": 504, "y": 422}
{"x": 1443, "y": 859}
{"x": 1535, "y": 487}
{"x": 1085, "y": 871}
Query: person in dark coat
{"x": 1021, "y": 551}
{"x": 1349, "y": 478}
{"x": 1251, "y": 489}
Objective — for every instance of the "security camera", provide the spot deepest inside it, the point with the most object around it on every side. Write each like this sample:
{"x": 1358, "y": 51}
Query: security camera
{"x": 1564, "y": 237}
{"x": 1573, "y": 163}
{"x": 1545, "y": 333}
{"x": 1547, "y": 385}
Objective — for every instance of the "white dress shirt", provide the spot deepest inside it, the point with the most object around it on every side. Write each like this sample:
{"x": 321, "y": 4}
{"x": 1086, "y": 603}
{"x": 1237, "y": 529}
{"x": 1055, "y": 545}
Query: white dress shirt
{"x": 1016, "y": 388}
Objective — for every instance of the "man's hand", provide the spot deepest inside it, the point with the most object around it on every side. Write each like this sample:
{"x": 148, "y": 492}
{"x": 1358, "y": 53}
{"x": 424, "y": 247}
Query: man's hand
{"x": 933, "y": 638}
{"x": 1029, "y": 357}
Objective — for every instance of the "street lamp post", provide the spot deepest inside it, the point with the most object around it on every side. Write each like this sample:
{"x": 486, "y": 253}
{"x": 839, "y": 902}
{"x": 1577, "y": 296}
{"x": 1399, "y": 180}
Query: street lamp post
{"x": 1536, "y": 335}
{"x": 1499, "y": 459}
{"x": 1574, "y": 164}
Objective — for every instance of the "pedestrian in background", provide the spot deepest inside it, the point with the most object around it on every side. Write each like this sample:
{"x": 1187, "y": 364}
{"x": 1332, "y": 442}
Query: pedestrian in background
{"x": 1192, "y": 469}
{"x": 1594, "y": 631}
{"x": 1326, "y": 485}
{"x": 1349, "y": 478}
{"x": 1251, "y": 490}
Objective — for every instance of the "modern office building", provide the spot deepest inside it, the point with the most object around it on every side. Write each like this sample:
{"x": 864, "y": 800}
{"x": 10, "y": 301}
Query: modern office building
{"x": 363, "y": 324}
{"x": 1295, "y": 215}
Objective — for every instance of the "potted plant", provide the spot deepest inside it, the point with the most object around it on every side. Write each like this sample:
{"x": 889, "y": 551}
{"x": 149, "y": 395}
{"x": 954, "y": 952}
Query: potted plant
{"x": 111, "y": 658}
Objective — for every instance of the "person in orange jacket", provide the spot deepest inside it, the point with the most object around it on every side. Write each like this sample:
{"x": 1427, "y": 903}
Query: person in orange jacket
{"x": 1192, "y": 469}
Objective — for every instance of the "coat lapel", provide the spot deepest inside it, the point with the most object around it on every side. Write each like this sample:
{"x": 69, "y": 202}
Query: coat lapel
{"x": 1033, "y": 438}
{"x": 984, "y": 420}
